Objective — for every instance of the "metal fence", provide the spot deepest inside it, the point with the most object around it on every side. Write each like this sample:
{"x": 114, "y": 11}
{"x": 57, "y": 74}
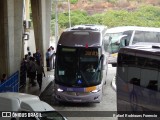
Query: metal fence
{"x": 11, "y": 84}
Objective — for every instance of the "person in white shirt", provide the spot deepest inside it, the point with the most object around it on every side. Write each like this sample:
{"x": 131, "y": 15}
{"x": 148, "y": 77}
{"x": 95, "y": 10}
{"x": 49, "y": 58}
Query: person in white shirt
{"x": 52, "y": 58}
{"x": 48, "y": 56}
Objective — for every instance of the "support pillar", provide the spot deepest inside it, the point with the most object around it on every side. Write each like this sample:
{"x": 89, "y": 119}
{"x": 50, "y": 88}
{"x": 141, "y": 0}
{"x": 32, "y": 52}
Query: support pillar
{"x": 41, "y": 13}
{"x": 10, "y": 35}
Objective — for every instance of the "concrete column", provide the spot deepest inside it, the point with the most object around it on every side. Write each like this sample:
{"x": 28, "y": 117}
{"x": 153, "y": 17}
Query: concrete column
{"x": 46, "y": 17}
{"x": 18, "y": 32}
{"x": 11, "y": 35}
{"x": 37, "y": 23}
{"x": 41, "y": 13}
{"x": 3, "y": 40}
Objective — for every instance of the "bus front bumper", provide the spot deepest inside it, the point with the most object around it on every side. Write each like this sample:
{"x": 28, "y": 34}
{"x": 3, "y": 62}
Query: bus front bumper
{"x": 78, "y": 97}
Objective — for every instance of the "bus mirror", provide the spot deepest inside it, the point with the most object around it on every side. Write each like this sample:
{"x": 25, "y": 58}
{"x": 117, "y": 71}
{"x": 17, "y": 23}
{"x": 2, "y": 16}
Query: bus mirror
{"x": 123, "y": 41}
{"x": 100, "y": 61}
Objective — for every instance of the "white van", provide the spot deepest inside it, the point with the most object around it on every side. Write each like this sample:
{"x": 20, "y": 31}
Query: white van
{"x": 20, "y": 106}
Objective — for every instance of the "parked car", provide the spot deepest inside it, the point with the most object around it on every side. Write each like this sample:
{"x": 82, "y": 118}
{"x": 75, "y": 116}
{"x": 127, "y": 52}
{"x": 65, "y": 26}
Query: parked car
{"x": 21, "y": 106}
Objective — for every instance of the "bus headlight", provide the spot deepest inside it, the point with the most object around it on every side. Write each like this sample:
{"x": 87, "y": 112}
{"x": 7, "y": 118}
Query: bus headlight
{"x": 59, "y": 90}
{"x": 95, "y": 91}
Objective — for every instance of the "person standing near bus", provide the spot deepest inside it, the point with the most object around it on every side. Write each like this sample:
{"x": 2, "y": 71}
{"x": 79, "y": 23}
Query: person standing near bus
{"x": 52, "y": 57}
{"x": 23, "y": 71}
{"x": 48, "y": 55}
{"x": 37, "y": 55}
{"x": 32, "y": 69}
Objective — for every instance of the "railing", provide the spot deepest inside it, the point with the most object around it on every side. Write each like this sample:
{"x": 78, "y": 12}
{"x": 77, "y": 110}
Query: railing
{"x": 11, "y": 84}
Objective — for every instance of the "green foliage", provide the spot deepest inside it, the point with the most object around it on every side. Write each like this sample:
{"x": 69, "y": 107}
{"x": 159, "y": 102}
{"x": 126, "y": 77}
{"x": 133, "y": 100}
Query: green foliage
{"x": 143, "y": 16}
{"x": 77, "y": 17}
{"x": 73, "y": 1}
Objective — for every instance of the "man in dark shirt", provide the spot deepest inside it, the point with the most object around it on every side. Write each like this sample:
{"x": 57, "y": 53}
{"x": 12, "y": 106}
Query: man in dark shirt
{"x": 37, "y": 56}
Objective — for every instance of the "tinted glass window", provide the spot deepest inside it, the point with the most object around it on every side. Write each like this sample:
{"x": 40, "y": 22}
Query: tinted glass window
{"x": 151, "y": 37}
{"x": 145, "y": 36}
{"x": 149, "y": 73}
{"x": 138, "y": 37}
{"x": 122, "y": 69}
{"x": 78, "y": 66}
{"x": 140, "y": 71}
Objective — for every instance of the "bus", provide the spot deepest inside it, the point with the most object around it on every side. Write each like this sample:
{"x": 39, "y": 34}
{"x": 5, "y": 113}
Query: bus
{"x": 118, "y": 37}
{"x": 138, "y": 80}
{"x": 80, "y": 64}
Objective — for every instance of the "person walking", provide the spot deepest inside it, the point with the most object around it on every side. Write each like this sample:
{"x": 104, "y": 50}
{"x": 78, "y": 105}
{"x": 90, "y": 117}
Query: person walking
{"x": 23, "y": 71}
{"x": 32, "y": 69}
{"x": 40, "y": 73}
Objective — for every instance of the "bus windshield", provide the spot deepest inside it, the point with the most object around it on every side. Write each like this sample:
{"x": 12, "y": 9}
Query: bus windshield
{"x": 78, "y": 67}
{"x": 114, "y": 42}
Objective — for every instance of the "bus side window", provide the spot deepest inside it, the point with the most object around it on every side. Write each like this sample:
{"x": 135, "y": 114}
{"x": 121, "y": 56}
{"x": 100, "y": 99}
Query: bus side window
{"x": 158, "y": 76}
{"x": 128, "y": 33}
{"x": 133, "y": 69}
{"x": 151, "y": 37}
{"x": 123, "y": 66}
{"x": 138, "y": 37}
{"x": 149, "y": 72}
